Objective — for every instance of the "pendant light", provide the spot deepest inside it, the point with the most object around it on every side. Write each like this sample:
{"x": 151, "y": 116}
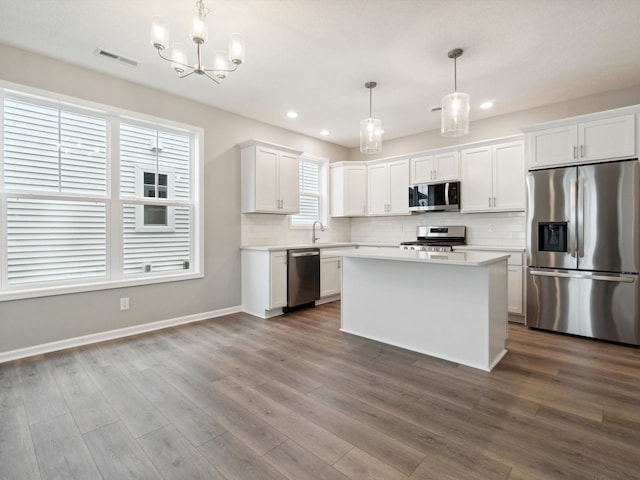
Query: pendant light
{"x": 455, "y": 106}
{"x": 370, "y": 129}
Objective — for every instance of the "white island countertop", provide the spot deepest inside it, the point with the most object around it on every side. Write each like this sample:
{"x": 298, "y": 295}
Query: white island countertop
{"x": 467, "y": 259}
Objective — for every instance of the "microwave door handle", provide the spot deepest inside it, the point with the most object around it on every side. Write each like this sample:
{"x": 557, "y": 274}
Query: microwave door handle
{"x": 580, "y": 217}
{"x": 446, "y": 193}
{"x": 572, "y": 224}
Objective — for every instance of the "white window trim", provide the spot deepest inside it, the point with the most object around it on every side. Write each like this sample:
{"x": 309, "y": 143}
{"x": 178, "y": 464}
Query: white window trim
{"x": 323, "y": 163}
{"x": 114, "y": 240}
{"x": 141, "y": 169}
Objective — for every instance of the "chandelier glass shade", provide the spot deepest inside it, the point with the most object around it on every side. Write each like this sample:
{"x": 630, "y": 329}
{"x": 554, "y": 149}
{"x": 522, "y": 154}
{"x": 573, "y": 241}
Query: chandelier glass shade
{"x": 370, "y": 129}
{"x": 454, "y": 121}
{"x": 223, "y": 62}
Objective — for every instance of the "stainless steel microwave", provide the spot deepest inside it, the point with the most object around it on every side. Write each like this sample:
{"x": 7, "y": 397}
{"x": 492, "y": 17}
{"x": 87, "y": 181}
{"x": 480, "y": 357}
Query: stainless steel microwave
{"x": 434, "y": 196}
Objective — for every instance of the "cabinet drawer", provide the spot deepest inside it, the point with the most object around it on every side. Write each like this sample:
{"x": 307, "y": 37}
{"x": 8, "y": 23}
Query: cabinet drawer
{"x": 515, "y": 258}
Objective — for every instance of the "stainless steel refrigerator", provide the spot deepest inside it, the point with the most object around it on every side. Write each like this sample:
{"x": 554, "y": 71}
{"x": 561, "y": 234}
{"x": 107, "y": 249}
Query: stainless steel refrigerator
{"x": 583, "y": 250}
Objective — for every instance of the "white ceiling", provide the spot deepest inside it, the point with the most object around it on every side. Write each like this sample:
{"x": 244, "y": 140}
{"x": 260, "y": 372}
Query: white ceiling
{"x": 314, "y": 56}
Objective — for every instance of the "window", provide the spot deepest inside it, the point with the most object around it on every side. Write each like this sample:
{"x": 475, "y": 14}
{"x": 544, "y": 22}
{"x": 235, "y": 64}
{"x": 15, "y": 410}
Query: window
{"x": 155, "y": 185}
{"x": 91, "y": 198}
{"x": 313, "y": 192}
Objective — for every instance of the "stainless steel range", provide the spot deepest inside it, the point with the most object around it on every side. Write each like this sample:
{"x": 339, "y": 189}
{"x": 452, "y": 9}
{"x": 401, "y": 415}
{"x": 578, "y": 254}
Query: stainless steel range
{"x": 433, "y": 238}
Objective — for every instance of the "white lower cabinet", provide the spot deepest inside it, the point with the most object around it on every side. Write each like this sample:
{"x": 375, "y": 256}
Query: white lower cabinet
{"x": 264, "y": 282}
{"x": 515, "y": 276}
{"x": 330, "y": 276}
{"x": 278, "y": 279}
{"x": 514, "y": 285}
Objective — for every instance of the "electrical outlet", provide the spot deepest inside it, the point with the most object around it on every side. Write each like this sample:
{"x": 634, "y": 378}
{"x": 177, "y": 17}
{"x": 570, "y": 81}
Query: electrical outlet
{"x": 124, "y": 303}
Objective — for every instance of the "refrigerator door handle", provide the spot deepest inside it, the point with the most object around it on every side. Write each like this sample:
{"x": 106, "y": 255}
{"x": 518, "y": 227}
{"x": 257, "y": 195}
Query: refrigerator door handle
{"x": 586, "y": 276}
{"x": 581, "y": 217}
{"x": 572, "y": 227}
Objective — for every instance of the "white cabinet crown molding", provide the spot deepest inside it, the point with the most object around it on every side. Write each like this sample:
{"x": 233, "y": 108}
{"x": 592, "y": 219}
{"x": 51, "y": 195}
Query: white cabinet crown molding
{"x": 262, "y": 143}
{"x": 561, "y": 122}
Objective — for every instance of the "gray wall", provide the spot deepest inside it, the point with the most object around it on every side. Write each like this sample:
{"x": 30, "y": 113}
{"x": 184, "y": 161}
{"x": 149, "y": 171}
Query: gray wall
{"x": 31, "y": 322}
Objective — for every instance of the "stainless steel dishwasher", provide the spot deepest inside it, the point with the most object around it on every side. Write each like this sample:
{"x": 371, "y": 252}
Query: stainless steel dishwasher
{"x": 303, "y": 277}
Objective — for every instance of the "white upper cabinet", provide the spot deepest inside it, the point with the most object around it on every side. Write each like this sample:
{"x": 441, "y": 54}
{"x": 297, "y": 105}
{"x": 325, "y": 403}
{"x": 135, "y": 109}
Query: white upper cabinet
{"x": 441, "y": 167}
{"x": 388, "y": 188}
{"x": 348, "y": 189}
{"x": 270, "y": 182}
{"x": 493, "y": 178}
{"x": 606, "y": 138}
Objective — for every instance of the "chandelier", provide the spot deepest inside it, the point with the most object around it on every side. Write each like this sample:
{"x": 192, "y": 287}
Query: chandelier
{"x": 370, "y": 129}
{"x": 223, "y": 63}
{"x": 455, "y": 106}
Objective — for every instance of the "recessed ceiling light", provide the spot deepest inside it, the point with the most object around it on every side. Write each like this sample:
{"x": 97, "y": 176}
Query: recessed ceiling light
{"x": 486, "y": 105}
{"x": 292, "y": 114}
{"x": 324, "y": 132}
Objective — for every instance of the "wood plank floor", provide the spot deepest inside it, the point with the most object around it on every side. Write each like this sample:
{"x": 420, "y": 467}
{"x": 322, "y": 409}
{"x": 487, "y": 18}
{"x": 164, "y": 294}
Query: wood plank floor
{"x": 238, "y": 397}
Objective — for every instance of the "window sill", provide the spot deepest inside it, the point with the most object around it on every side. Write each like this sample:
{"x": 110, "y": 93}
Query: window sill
{"x": 18, "y": 294}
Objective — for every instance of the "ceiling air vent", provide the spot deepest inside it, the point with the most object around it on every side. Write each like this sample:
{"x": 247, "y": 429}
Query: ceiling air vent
{"x": 116, "y": 57}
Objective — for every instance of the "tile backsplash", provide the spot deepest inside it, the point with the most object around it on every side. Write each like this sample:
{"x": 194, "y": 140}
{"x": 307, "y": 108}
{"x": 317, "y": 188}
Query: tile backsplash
{"x": 490, "y": 229}
{"x": 270, "y": 229}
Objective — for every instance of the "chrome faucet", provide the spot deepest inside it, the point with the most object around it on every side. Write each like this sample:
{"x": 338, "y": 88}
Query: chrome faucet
{"x": 313, "y": 233}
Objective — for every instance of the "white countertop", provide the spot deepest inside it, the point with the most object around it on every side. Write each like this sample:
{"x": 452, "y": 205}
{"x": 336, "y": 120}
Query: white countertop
{"x": 316, "y": 245}
{"x": 469, "y": 259}
{"x": 490, "y": 248}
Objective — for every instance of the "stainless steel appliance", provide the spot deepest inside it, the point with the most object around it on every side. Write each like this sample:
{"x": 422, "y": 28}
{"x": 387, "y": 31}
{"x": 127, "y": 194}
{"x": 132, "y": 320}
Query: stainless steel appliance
{"x": 434, "y": 196}
{"x": 303, "y": 277}
{"x": 432, "y": 238}
{"x": 584, "y": 250}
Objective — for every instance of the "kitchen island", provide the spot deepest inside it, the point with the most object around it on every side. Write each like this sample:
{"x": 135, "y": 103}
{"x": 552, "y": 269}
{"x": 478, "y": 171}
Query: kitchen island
{"x": 448, "y": 305}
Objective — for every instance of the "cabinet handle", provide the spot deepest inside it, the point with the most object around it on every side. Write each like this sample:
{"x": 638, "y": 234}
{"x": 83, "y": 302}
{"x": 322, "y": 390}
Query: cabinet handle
{"x": 582, "y": 150}
{"x": 338, "y": 264}
{"x": 489, "y": 202}
{"x": 575, "y": 151}
{"x": 494, "y": 202}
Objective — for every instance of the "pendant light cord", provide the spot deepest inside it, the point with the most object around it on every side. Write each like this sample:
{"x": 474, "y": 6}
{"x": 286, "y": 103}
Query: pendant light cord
{"x": 455, "y": 74}
{"x": 370, "y": 102}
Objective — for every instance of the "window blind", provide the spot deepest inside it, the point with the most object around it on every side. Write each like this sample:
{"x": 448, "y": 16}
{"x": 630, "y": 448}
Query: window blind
{"x": 47, "y": 149}
{"x": 49, "y": 241}
{"x": 309, "y": 193}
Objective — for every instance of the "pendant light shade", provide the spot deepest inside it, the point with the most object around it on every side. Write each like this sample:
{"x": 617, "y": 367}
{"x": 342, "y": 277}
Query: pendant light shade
{"x": 370, "y": 129}
{"x": 455, "y": 106}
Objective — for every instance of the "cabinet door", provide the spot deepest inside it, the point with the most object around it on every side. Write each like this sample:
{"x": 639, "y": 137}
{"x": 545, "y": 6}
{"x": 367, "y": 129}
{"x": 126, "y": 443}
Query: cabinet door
{"x": 514, "y": 289}
{"x": 606, "y": 139}
{"x": 378, "y": 176}
{"x": 421, "y": 169}
{"x": 508, "y": 177}
{"x": 288, "y": 183}
{"x": 278, "y": 280}
{"x": 355, "y": 184}
{"x": 476, "y": 190}
{"x": 398, "y": 187}
{"x": 266, "y": 165}
{"x": 329, "y": 276}
{"x": 445, "y": 166}
{"x": 553, "y": 146}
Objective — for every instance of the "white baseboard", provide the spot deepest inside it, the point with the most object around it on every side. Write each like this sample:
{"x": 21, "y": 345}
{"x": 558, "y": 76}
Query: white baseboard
{"x": 113, "y": 334}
